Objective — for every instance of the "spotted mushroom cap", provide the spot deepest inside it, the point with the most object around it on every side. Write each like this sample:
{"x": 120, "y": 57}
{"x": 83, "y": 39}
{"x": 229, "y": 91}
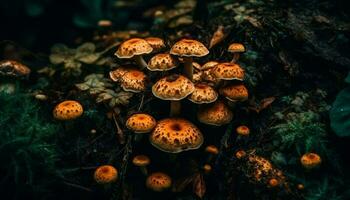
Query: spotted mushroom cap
{"x": 13, "y": 68}
{"x": 141, "y": 123}
{"x": 173, "y": 87}
{"x": 196, "y": 66}
{"x": 310, "y": 160}
{"x": 132, "y": 47}
{"x": 209, "y": 65}
{"x": 68, "y": 110}
{"x": 228, "y": 71}
{"x": 133, "y": 81}
{"x": 158, "y": 181}
{"x": 175, "y": 135}
{"x": 236, "y": 48}
{"x": 215, "y": 114}
{"x": 242, "y": 130}
{"x": 105, "y": 174}
{"x": 141, "y": 160}
{"x": 234, "y": 92}
{"x": 156, "y": 43}
{"x": 162, "y": 62}
{"x": 189, "y": 48}
{"x": 197, "y": 77}
{"x": 212, "y": 149}
{"x": 203, "y": 93}
{"x": 116, "y": 74}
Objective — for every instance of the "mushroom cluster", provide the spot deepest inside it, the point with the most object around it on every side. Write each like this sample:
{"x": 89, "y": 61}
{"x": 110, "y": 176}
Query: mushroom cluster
{"x": 175, "y": 77}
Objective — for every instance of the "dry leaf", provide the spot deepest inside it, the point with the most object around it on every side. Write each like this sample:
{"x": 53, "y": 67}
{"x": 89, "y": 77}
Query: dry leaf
{"x": 253, "y": 21}
{"x": 199, "y": 187}
{"x": 218, "y": 36}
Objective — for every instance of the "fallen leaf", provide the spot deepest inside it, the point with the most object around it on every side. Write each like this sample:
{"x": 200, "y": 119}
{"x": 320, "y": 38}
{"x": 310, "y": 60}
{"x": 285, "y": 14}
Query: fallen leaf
{"x": 218, "y": 36}
{"x": 199, "y": 187}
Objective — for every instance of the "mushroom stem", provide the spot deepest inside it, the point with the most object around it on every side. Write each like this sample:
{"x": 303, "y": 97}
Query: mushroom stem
{"x": 140, "y": 61}
{"x": 188, "y": 68}
{"x": 175, "y": 108}
{"x": 235, "y": 57}
{"x": 144, "y": 170}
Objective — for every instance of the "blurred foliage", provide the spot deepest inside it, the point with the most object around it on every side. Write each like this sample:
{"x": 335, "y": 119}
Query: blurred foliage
{"x": 73, "y": 59}
{"x": 27, "y": 147}
{"x": 340, "y": 112}
{"x": 98, "y": 85}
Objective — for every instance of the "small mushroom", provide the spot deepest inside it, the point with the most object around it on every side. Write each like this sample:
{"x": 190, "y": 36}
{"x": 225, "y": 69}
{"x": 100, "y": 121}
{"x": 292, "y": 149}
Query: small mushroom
{"x": 234, "y": 92}
{"x": 134, "y": 48}
{"x": 273, "y": 182}
{"x": 141, "y": 161}
{"x": 162, "y": 62}
{"x": 243, "y": 130}
{"x": 212, "y": 150}
{"x": 11, "y": 68}
{"x": 105, "y": 174}
{"x": 300, "y": 186}
{"x": 207, "y": 168}
{"x": 203, "y": 94}
{"x": 209, "y": 65}
{"x": 173, "y": 88}
{"x": 68, "y": 110}
{"x": 240, "y": 154}
{"x": 310, "y": 160}
{"x": 174, "y": 135}
{"x": 133, "y": 81}
{"x": 141, "y": 123}
{"x": 188, "y": 48}
{"x": 216, "y": 114}
{"x": 158, "y": 182}
{"x": 236, "y": 49}
{"x": 228, "y": 71}
{"x": 156, "y": 43}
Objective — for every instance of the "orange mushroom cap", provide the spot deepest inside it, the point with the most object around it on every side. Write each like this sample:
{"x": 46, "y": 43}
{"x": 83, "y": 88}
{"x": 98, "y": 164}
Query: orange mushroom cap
{"x": 236, "y": 48}
{"x": 207, "y": 168}
{"x": 173, "y": 87}
{"x": 273, "y": 182}
{"x": 189, "y": 48}
{"x": 68, "y": 110}
{"x": 243, "y": 130}
{"x": 162, "y": 62}
{"x": 105, "y": 174}
{"x": 203, "y": 94}
{"x": 175, "y": 135}
{"x": 158, "y": 181}
{"x": 240, "y": 154}
{"x": 310, "y": 160}
{"x": 132, "y": 47}
{"x": 212, "y": 149}
{"x": 234, "y": 92}
{"x": 141, "y": 123}
{"x": 133, "y": 81}
{"x": 141, "y": 160}
{"x": 116, "y": 74}
{"x": 209, "y": 65}
{"x": 228, "y": 71}
{"x": 13, "y": 69}
{"x": 156, "y": 43}
{"x": 216, "y": 114}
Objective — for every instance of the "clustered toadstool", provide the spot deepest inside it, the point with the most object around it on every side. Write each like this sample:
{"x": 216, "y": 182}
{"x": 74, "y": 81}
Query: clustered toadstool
{"x": 210, "y": 85}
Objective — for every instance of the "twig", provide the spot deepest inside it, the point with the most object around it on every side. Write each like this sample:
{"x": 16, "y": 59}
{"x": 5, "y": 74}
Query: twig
{"x": 120, "y": 132}
{"x": 141, "y": 103}
{"x": 77, "y": 186}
